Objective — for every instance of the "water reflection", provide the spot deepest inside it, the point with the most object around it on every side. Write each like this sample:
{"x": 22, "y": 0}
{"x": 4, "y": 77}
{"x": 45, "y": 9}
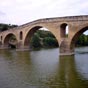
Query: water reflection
{"x": 41, "y": 69}
{"x": 67, "y": 75}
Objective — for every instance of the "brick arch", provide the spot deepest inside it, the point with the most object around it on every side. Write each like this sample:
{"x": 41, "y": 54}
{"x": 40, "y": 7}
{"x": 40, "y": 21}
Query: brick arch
{"x": 74, "y": 38}
{"x": 7, "y": 37}
{"x": 32, "y": 31}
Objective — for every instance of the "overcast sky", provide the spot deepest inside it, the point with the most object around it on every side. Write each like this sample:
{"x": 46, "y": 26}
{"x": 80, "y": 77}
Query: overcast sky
{"x": 23, "y": 11}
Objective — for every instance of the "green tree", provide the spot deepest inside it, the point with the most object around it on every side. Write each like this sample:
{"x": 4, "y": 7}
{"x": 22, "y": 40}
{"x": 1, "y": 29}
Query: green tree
{"x": 35, "y": 41}
{"x": 4, "y": 27}
{"x": 50, "y": 42}
{"x": 82, "y": 40}
{"x": 43, "y": 34}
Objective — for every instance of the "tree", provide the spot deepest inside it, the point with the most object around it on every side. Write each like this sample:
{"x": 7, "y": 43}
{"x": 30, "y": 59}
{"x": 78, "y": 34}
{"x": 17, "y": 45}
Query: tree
{"x": 82, "y": 40}
{"x": 43, "y": 34}
{"x": 4, "y": 27}
{"x": 50, "y": 42}
{"x": 35, "y": 41}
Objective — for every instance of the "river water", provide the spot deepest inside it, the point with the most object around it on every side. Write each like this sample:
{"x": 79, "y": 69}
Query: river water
{"x": 43, "y": 69}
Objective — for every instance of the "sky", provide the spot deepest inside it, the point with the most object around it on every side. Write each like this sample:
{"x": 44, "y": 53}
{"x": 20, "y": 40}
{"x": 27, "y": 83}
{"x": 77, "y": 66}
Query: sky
{"x": 23, "y": 11}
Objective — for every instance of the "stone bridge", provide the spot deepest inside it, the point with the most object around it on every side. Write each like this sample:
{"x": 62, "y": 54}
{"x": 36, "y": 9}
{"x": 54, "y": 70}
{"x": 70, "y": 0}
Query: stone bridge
{"x": 57, "y": 26}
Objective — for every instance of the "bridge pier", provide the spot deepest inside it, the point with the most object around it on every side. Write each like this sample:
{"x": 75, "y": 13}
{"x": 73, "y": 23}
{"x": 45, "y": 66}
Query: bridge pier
{"x": 65, "y": 48}
{"x": 66, "y": 52}
{"x": 22, "y": 48}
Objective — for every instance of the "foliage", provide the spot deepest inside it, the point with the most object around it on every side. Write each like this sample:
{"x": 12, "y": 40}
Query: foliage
{"x": 35, "y": 41}
{"x": 82, "y": 40}
{"x": 50, "y": 42}
{"x": 44, "y": 34}
{"x": 4, "y": 27}
{"x": 43, "y": 39}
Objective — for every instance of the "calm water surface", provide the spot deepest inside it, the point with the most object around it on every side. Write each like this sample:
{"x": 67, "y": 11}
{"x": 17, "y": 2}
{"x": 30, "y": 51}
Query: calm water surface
{"x": 43, "y": 69}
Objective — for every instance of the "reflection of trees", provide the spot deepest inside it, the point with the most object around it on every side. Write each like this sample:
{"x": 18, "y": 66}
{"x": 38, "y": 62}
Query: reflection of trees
{"x": 67, "y": 76}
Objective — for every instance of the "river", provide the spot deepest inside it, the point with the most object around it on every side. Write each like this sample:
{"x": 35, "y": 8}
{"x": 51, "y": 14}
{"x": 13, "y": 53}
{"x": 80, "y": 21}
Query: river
{"x": 43, "y": 69}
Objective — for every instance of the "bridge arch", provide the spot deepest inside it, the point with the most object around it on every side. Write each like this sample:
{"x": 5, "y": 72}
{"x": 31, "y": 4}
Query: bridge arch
{"x": 7, "y": 39}
{"x": 31, "y": 32}
{"x": 74, "y": 38}
{"x": 64, "y": 30}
